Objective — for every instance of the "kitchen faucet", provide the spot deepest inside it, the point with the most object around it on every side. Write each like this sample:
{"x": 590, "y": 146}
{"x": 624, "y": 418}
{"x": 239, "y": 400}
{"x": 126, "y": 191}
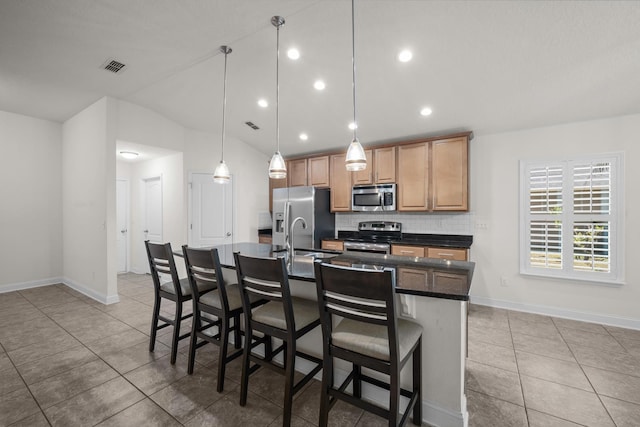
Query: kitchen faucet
{"x": 289, "y": 243}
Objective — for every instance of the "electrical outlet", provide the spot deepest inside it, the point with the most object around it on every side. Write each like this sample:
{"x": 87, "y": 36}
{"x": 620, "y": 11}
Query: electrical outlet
{"x": 503, "y": 281}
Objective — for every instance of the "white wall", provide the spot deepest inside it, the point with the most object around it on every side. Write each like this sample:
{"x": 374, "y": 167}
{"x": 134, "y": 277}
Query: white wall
{"x": 30, "y": 201}
{"x": 143, "y": 126}
{"x": 249, "y": 169}
{"x": 495, "y": 201}
{"x": 170, "y": 169}
{"x": 88, "y": 200}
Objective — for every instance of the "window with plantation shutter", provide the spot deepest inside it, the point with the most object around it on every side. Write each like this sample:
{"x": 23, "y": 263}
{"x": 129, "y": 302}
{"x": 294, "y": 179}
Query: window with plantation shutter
{"x": 571, "y": 220}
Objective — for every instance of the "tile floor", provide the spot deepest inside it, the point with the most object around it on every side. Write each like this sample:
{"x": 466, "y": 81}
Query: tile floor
{"x": 66, "y": 360}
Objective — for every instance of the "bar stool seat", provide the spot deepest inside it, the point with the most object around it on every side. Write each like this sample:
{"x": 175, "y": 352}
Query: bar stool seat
{"x": 234, "y": 298}
{"x": 185, "y": 288}
{"x": 305, "y": 312}
{"x": 373, "y": 340}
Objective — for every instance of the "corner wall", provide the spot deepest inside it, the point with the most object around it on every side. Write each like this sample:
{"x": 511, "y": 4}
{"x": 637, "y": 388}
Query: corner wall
{"x": 31, "y": 194}
{"x": 495, "y": 202}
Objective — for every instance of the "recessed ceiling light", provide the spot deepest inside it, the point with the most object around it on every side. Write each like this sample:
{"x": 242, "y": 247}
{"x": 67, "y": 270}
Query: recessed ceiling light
{"x": 129, "y": 155}
{"x": 319, "y": 85}
{"x": 304, "y": 137}
{"x": 353, "y": 126}
{"x": 405, "y": 56}
{"x": 293, "y": 53}
{"x": 263, "y": 103}
{"x": 426, "y": 111}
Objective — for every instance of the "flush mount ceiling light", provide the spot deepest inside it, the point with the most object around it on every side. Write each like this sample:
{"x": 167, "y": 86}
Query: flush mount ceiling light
{"x": 303, "y": 137}
{"x": 277, "y": 167}
{"x": 221, "y": 174}
{"x": 405, "y": 56}
{"x": 129, "y": 155}
{"x": 319, "y": 85}
{"x": 426, "y": 111}
{"x": 293, "y": 53}
{"x": 263, "y": 103}
{"x": 355, "y": 160}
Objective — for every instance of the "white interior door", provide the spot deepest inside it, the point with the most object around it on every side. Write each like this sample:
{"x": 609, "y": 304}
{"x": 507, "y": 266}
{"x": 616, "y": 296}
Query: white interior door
{"x": 153, "y": 210}
{"x": 210, "y": 211}
{"x": 122, "y": 221}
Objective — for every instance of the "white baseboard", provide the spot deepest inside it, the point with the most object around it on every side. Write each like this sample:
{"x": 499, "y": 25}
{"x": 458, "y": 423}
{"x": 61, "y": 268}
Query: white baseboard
{"x": 104, "y": 299}
{"x": 31, "y": 284}
{"x": 559, "y": 312}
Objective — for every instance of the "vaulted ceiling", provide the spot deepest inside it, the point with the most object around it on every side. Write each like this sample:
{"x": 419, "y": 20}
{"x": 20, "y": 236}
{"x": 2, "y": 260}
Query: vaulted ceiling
{"x": 482, "y": 66}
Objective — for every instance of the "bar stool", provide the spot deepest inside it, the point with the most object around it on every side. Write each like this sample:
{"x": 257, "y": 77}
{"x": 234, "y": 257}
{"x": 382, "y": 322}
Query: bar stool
{"x": 224, "y": 302}
{"x": 177, "y": 290}
{"x": 371, "y": 336}
{"x": 284, "y": 317}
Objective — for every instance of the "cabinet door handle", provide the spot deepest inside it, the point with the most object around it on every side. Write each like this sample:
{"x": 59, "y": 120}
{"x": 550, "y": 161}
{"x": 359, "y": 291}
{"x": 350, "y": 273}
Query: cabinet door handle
{"x": 445, "y": 254}
{"x": 406, "y": 252}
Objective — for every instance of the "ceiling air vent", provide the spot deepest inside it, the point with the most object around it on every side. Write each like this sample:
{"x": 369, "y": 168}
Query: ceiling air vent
{"x": 113, "y": 66}
{"x": 252, "y": 125}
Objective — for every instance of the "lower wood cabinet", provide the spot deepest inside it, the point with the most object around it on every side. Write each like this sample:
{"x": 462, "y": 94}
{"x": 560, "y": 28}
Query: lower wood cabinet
{"x": 332, "y": 245}
{"x": 457, "y": 254}
{"x": 264, "y": 239}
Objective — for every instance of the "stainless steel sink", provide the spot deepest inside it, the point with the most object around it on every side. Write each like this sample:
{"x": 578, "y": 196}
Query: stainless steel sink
{"x": 302, "y": 253}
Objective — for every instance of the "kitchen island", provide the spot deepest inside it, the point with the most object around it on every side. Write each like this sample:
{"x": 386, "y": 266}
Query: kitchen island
{"x": 432, "y": 292}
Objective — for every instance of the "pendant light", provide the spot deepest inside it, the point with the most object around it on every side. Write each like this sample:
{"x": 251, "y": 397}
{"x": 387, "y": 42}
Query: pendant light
{"x": 221, "y": 174}
{"x": 356, "y": 160}
{"x": 277, "y": 167}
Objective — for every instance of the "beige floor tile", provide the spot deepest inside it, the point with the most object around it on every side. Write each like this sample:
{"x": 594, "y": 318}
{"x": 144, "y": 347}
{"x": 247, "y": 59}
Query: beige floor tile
{"x": 538, "y": 419}
{"x": 528, "y": 317}
{"x": 565, "y": 402}
{"x": 487, "y": 411}
{"x": 492, "y": 355}
{"x": 555, "y": 370}
{"x": 10, "y": 380}
{"x": 17, "y": 405}
{"x": 270, "y": 385}
{"x": 36, "y": 420}
{"x": 624, "y": 414}
{"x": 488, "y": 317}
{"x": 30, "y": 333}
{"x": 495, "y": 382}
{"x": 630, "y": 334}
{"x": 191, "y": 394}
{"x": 117, "y": 341}
{"x": 591, "y": 339}
{"x": 143, "y": 413}
{"x": 94, "y": 405}
{"x": 623, "y": 363}
{"x": 578, "y": 325}
{"x": 541, "y": 328}
{"x": 299, "y": 422}
{"x": 228, "y": 412}
{"x": 130, "y": 358}
{"x": 158, "y": 374}
{"x": 206, "y": 355}
{"x": 5, "y": 361}
{"x": 307, "y": 406}
{"x": 631, "y": 346}
{"x": 555, "y": 348}
{"x": 47, "y": 347}
{"x": 60, "y": 387}
{"x": 47, "y": 296}
{"x": 47, "y": 367}
{"x": 493, "y": 336}
{"x": 616, "y": 385}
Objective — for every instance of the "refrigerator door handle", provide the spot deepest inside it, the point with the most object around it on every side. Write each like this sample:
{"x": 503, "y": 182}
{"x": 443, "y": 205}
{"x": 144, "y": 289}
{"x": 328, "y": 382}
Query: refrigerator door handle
{"x": 287, "y": 214}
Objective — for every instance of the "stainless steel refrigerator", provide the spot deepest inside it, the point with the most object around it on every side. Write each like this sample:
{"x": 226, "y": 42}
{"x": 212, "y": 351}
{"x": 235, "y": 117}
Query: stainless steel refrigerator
{"x": 302, "y": 217}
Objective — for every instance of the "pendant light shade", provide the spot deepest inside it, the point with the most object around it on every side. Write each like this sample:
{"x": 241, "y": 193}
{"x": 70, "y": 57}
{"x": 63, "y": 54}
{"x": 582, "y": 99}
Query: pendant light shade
{"x": 356, "y": 160}
{"x": 277, "y": 166}
{"x": 221, "y": 174}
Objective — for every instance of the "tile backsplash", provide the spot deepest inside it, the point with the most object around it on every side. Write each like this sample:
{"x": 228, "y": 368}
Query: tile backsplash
{"x": 419, "y": 222}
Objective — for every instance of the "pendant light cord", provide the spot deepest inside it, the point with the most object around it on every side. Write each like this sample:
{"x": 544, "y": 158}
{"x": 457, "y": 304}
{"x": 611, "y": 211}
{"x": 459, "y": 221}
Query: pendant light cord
{"x": 353, "y": 63}
{"x": 278, "y": 87}
{"x": 226, "y": 51}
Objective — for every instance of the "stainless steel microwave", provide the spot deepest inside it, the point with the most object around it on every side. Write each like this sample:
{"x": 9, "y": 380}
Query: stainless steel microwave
{"x": 370, "y": 198}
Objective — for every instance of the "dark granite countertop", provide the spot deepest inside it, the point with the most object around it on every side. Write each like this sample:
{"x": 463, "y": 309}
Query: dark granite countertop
{"x": 416, "y": 276}
{"x": 440, "y": 240}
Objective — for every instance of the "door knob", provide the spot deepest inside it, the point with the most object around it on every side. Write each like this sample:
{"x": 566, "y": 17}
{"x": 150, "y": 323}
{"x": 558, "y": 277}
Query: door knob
{"x": 145, "y": 231}
{"x": 123, "y": 231}
{"x": 228, "y": 233}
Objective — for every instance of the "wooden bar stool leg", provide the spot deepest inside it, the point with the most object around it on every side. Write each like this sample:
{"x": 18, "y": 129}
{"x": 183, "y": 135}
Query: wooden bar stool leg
{"x": 290, "y": 358}
{"x": 244, "y": 386}
{"x": 417, "y": 383}
{"x": 357, "y": 382}
{"x": 176, "y": 332}
{"x": 327, "y": 384}
{"x": 394, "y": 397}
{"x": 222, "y": 358}
{"x": 237, "y": 339}
{"x": 154, "y": 323}
{"x": 194, "y": 340}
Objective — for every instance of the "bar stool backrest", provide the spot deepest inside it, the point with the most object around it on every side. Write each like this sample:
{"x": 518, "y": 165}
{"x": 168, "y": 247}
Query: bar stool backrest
{"x": 203, "y": 269}
{"x": 161, "y": 261}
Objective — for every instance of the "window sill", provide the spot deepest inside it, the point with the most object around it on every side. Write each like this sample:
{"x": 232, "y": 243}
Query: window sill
{"x": 574, "y": 278}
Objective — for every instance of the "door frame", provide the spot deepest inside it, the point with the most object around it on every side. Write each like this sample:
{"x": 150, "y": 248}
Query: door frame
{"x": 127, "y": 215}
{"x": 190, "y": 206}
{"x": 144, "y": 198}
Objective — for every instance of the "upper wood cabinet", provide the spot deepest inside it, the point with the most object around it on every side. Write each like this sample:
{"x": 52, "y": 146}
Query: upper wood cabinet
{"x": 318, "y": 174}
{"x": 340, "y": 184}
{"x": 449, "y": 160}
{"x": 384, "y": 165}
{"x": 413, "y": 177}
{"x": 365, "y": 176}
{"x": 297, "y": 172}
